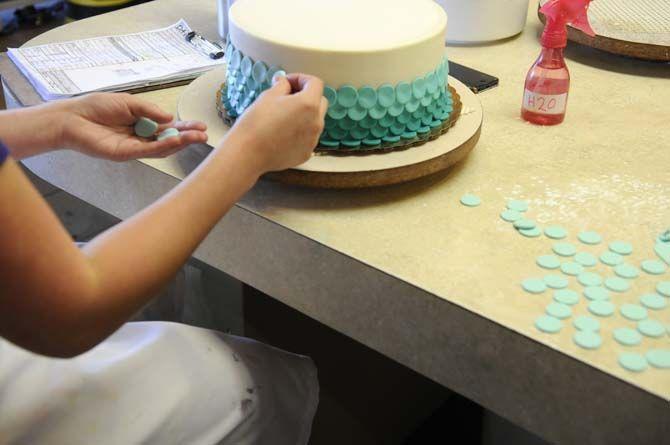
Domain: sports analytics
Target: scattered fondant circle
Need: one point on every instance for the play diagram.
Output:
(385, 95)
(145, 127)
(511, 215)
(621, 247)
(586, 323)
(559, 310)
(556, 281)
(548, 324)
(589, 279)
(633, 312)
(659, 358)
(586, 259)
(564, 249)
(548, 261)
(331, 95)
(632, 362)
(653, 267)
(627, 271)
(663, 288)
(653, 301)
(524, 223)
(518, 205)
(570, 268)
(367, 97)
(594, 293)
(470, 200)
(611, 259)
(627, 336)
(589, 237)
(617, 284)
(531, 233)
(167, 133)
(555, 232)
(587, 339)
(566, 296)
(650, 328)
(347, 96)
(534, 285)
(601, 308)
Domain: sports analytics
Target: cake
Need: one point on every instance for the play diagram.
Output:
(383, 63)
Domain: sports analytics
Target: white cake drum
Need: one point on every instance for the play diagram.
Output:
(198, 102)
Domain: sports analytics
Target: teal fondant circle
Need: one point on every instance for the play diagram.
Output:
(385, 95)
(337, 111)
(235, 60)
(367, 97)
(368, 122)
(397, 129)
(396, 109)
(245, 66)
(331, 95)
(346, 123)
(347, 96)
(412, 105)
(357, 113)
(403, 92)
(419, 88)
(359, 133)
(404, 117)
(258, 72)
(386, 121)
(337, 133)
(351, 143)
(391, 139)
(409, 135)
(379, 131)
(377, 112)
(372, 142)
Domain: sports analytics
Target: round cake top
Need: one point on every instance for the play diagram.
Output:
(340, 25)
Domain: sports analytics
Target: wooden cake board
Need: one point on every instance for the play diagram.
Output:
(633, 28)
(198, 102)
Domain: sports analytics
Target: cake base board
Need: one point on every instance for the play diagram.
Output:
(197, 102)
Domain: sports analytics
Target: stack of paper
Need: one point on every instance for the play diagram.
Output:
(113, 63)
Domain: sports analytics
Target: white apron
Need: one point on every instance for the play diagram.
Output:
(160, 383)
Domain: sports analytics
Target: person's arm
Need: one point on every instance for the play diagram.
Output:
(60, 301)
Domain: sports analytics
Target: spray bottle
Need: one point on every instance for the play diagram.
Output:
(546, 91)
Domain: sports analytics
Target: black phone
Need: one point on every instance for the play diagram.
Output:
(475, 80)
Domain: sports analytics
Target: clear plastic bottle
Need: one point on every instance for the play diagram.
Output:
(545, 95)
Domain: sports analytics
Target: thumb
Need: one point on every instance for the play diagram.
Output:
(280, 86)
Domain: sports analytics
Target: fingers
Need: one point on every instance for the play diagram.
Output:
(168, 146)
(281, 87)
(142, 108)
(306, 85)
(184, 126)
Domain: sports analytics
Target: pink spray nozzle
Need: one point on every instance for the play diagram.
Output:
(560, 13)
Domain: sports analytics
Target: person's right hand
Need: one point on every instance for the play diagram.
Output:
(282, 128)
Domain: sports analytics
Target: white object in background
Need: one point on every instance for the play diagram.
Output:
(473, 21)
(223, 6)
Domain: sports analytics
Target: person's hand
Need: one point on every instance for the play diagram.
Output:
(282, 128)
(101, 125)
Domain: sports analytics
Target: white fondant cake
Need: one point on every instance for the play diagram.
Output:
(354, 42)
(383, 64)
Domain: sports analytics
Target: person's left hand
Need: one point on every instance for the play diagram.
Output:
(101, 125)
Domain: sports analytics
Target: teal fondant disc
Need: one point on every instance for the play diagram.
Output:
(245, 66)
(357, 113)
(396, 109)
(404, 118)
(258, 72)
(359, 133)
(337, 133)
(346, 123)
(367, 97)
(372, 142)
(347, 96)
(379, 132)
(419, 88)
(412, 105)
(391, 139)
(351, 144)
(403, 92)
(397, 129)
(337, 111)
(386, 121)
(330, 95)
(367, 122)
(409, 135)
(377, 112)
(385, 95)
(413, 125)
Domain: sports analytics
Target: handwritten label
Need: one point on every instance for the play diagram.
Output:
(545, 103)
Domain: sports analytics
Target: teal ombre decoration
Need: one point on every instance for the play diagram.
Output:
(364, 118)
